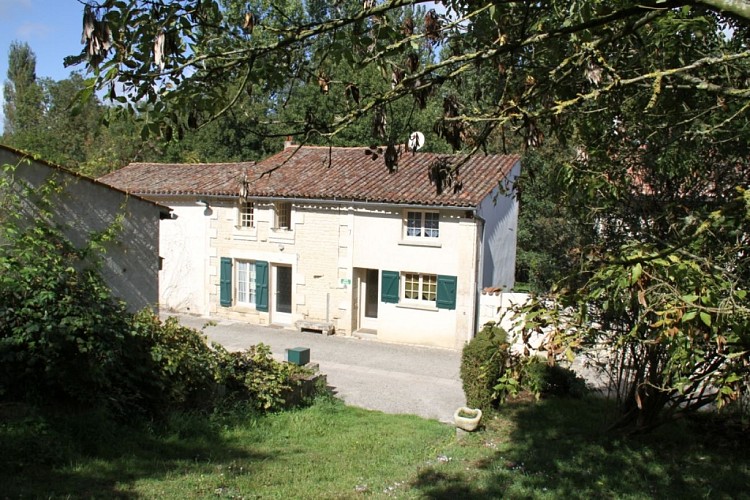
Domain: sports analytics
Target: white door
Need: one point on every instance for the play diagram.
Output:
(369, 299)
(281, 294)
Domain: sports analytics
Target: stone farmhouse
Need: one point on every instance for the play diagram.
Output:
(329, 240)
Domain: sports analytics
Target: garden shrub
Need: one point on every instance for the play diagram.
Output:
(482, 364)
(61, 331)
(254, 375)
(64, 339)
(183, 366)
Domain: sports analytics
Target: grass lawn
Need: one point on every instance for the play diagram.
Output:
(553, 449)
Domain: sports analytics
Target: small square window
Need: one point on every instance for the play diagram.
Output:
(247, 214)
(422, 224)
(283, 215)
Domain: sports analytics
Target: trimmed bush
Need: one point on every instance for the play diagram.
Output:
(482, 364)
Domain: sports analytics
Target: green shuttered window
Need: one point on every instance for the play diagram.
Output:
(446, 292)
(261, 286)
(445, 298)
(389, 290)
(225, 282)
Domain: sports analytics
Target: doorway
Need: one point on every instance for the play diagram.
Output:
(282, 294)
(369, 299)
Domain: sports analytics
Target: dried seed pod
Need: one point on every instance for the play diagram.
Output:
(352, 92)
(159, 59)
(248, 24)
(391, 157)
(432, 27)
(379, 123)
(396, 76)
(412, 62)
(323, 82)
(407, 28)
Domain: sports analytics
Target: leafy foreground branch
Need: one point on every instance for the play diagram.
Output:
(671, 324)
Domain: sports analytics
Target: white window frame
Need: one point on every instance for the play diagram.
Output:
(245, 275)
(245, 220)
(416, 225)
(426, 288)
(283, 209)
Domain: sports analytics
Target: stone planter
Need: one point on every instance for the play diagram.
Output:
(467, 418)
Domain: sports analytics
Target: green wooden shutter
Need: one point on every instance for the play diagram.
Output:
(225, 282)
(389, 288)
(261, 286)
(446, 292)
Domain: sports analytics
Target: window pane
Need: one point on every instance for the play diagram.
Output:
(429, 287)
(431, 225)
(283, 215)
(246, 282)
(251, 282)
(411, 286)
(414, 224)
(246, 214)
(242, 281)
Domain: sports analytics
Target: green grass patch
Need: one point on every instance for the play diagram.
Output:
(556, 448)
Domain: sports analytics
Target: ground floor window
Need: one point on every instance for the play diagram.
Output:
(420, 287)
(435, 290)
(246, 283)
(243, 282)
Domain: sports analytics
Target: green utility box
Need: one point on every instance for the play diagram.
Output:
(298, 355)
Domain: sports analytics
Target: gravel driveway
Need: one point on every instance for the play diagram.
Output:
(391, 378)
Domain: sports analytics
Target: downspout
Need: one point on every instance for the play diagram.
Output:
(479, 268)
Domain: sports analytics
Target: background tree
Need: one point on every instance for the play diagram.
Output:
(23, 106)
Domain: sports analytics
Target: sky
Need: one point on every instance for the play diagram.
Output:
(52, 28)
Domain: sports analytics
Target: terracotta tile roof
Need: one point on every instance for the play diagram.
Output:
(23, 156)
(322, 173)
(217, 179)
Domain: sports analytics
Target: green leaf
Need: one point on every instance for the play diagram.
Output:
(706, 318)
(635, 273)
(689, 316)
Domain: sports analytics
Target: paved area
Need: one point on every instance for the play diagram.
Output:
(391, 378)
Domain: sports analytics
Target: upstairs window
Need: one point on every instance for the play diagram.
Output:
(283, 215)
(247, 214)
(422, 224)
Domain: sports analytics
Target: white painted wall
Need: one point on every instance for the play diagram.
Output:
(184, 247)
(500, 212)
(379, 243)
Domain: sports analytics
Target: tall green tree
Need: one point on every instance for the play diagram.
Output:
(23, 106)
